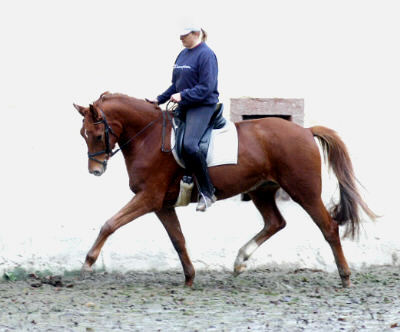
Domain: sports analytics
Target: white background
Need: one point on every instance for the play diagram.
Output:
(342, 57)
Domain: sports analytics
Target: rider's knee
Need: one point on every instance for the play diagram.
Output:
(190, 150)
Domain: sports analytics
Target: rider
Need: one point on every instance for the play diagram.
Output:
(194, 88)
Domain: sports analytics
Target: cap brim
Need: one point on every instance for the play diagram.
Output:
(187, 30)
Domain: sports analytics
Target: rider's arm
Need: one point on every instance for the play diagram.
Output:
(162, 98)
(166, 95)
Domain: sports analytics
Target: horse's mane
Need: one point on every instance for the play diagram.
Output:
(123, 98)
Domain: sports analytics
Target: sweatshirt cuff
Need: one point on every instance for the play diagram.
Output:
(183, 94)
(160, 100)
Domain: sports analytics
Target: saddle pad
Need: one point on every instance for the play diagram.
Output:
(223, 147)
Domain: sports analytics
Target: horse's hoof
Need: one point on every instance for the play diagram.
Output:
(86, 271)
(189, 283)
(238, 269)
(346, 282)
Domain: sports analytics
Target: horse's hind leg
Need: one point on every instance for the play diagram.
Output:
(330, 230)
(264, 200)
(170, 221)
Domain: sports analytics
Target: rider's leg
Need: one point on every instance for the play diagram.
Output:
(197, 120)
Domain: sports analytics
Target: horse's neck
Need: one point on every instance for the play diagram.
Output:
(132, 117)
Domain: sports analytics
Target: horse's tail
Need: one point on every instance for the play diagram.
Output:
(346, 211)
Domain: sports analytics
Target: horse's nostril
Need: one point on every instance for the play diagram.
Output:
(97, 173)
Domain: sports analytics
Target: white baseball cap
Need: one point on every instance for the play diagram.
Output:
(188, 29)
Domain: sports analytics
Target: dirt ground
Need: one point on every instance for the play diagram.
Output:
(267, 299)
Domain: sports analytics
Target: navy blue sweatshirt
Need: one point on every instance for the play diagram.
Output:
(195, 76)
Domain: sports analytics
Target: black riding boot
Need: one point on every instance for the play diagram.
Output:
(196, 162)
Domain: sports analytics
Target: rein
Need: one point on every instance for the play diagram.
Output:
(107, 130)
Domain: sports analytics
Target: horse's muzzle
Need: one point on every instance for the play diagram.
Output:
(98, 169)
(96, 172)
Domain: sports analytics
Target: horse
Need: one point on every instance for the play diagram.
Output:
(273, 153)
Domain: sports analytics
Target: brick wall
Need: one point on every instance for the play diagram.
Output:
(291, 109)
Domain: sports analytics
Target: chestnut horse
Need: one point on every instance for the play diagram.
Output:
(273, 154)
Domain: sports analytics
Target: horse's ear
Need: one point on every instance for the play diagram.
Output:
(80, 109)
(95, 113)
(103, 94)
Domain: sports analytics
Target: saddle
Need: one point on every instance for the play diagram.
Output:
(217, 121)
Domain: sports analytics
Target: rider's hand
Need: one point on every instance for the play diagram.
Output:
(152, 101)
(176, 97)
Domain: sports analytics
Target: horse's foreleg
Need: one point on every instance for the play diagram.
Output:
(138, 206)
(171, 223)
(264, 200)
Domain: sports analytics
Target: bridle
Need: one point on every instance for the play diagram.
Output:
(108, 130)
(108, 151)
